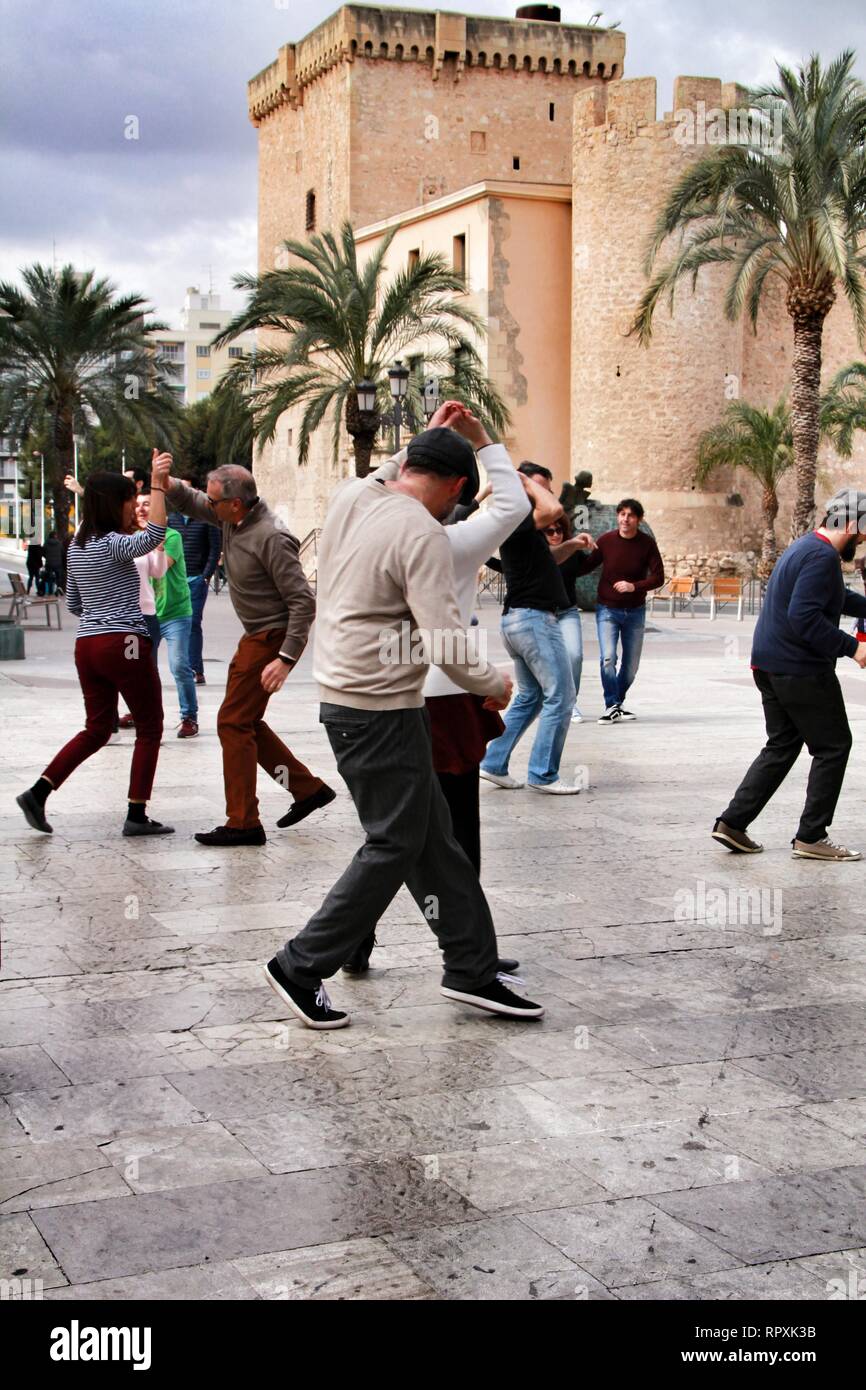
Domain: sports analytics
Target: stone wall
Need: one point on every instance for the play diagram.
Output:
(637, 412)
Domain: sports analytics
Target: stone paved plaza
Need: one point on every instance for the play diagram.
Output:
(688, 1121)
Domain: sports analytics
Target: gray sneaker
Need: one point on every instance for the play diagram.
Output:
(826, 850)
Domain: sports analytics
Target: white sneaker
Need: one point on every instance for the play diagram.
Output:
(509, 784)
(558, 788)
(576, 716)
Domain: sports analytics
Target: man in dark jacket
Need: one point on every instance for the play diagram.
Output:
(795, 648)
(201, 550)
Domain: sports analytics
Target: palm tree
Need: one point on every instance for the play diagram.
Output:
(790, 209)
(760, 441)
(74, 355)
(843, 407)
(344, 325)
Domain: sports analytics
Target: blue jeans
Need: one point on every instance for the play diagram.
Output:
(176, 634)
(572, 634)
(545, 688)
(154, 631)
(625, 625)
(198, 588)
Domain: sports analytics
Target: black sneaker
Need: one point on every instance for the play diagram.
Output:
(508, 966)
(34, 812)
(146, 827)
(359, 961)
(311, 1006)
(299, 810)
(626, 713)
(226, 835)
(737, 840)
(611, 716)
(496, 999)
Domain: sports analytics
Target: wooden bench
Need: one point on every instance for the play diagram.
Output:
(726, 591)
(22, 602)
(678, 591)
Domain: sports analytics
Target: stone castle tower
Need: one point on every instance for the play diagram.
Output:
(382, 109)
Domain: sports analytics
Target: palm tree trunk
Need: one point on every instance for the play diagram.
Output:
(808, 304)
(363, 427)
(769, 549)
(62, 462)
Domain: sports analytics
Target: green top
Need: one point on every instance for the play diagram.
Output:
(172, 590)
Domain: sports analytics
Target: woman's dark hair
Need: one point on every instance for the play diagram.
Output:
(633, 506)
(102, 505)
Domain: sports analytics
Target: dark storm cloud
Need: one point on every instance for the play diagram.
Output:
(157, 212)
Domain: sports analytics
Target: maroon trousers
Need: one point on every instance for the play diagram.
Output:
(118, 663)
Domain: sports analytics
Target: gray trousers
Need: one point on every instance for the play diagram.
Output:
(385, 759)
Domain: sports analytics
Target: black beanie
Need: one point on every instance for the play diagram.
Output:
(444, 451)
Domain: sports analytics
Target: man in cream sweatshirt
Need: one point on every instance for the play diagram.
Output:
(385, 570)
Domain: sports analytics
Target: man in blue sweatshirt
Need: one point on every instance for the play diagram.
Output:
(795, 648)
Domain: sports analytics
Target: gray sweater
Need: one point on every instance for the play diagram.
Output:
(268, 587)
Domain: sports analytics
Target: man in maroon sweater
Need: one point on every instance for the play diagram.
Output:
(631, 566)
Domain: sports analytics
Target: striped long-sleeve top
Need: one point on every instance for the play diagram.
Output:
(102, 582)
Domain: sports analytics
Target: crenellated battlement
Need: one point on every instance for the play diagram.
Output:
(629, 106)
(369, 33)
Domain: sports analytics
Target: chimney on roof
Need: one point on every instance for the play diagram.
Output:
(552, 13)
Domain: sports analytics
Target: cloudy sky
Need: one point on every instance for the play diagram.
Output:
(177, 206)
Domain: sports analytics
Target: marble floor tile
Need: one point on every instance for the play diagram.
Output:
(158, 1159)
(777, 1218)
(220, 1281)
(517, 1177)
(101, 1108)
(253, 1216)
(657, 1158)
(849, 1116)
(55, 1174)
(352, 1269)
(28, 1068)
(785, 1281)
(628, 1241)
(498, 1258)
(827, 1073)
(787, 1140)
(25, 1255)
(116, 1056)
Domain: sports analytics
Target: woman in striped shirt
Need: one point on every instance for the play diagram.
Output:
(113, 650)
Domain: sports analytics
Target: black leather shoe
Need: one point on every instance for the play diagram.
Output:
(508, 967)
(359, 962)
(34, 812)
(226, 835)
(299, 810)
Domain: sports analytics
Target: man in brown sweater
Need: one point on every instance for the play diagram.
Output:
(271, 596)
(386, 606)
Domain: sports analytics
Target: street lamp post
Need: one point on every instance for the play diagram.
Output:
(41, 458)
(16, 499)
(76, 441)
(398, 380)
(431, 397)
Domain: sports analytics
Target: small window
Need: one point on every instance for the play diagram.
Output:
(203, 351)
(203, 374)
(551, 111)
(236, 352)
(310, 221)
(515, 161)
(458, 255)
(413, 258)
(209, 325)
(290, 434)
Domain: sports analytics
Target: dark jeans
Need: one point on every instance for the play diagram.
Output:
(798, 710)
(384, 756)
(198, 587)
(460, 790)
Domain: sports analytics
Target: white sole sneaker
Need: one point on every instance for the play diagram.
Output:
(319, 1026)
(553, 788)
(478, 1001)
(508, 784)
(850, 856)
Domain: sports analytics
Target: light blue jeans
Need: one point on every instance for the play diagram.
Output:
(176, 635)
(615, 625)
(545, 690)
(572, 633)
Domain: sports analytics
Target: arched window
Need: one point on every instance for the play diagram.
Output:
(601, 69)
(368, 49)
(512, 61)
(413, 52)
(497, 60)
(572, 68)
(398, 51)
(586, 69)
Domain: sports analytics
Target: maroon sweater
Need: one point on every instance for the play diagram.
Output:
(637, 560)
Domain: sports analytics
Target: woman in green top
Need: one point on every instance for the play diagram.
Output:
(174, 611)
